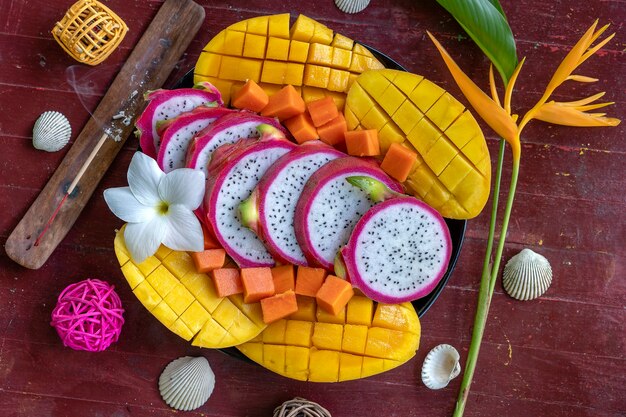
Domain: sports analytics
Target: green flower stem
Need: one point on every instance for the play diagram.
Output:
(488, 278)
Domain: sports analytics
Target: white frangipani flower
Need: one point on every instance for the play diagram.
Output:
(158, 208)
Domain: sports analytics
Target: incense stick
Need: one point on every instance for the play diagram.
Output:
(73, 185)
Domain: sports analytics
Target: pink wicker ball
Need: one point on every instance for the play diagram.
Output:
(88, 315)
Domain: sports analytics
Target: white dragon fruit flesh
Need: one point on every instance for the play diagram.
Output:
(399, 250)
(271, 208)
(232, 177)
(329, 207)
(168, 104)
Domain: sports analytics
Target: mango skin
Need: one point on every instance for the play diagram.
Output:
(307, 55)
(375, 338)
(185, 301)
(452, 172)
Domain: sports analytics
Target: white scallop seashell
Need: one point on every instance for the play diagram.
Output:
(187, 383)
(52, 131)
(527, 275)
(441, 366)
(352, 6)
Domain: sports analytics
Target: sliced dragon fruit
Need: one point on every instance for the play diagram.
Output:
(167, 104)
(329, 207)
(271, 207)
(232, 178)
(176, 138)
(399, 250)
(228, 129)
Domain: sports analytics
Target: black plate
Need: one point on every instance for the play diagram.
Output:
(457, 227)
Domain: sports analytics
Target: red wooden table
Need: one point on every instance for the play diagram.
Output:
(560, 355)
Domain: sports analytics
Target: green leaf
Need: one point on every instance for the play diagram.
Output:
(485, 22)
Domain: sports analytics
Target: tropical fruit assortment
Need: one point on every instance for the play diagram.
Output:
(312, 249)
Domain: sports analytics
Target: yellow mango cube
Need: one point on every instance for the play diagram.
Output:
(341, 58)
(240, 69)
(252, 311)
(354, 339)
(225, 313)
(179, 299)
(179, 263)
(201, 286)
(323, 365)
(375, 118)
(148, 265)
(240, 26)
(217, 43)
(327, 336)
(279, 25)
(233, 43)
(147, 295)
(181, 329)
(278, 49)
(440, 155)
(322, 34)
(274, 357)
(303, 29)
(294, 74)
(164, 313)
(258, 25)
(426, 94)
(445, 110)
(407, 116)
(211, 335)
(320, 54)
(464, 129)
(316, 76)
(454, 173)
(252, 350)
(297, 362)
(350, 366)
(162, 252)
(338, 80)
(389, 134)
(341, 41)
(121, 251)
(360, 310)
(423, 136)
(396, 317)
(242, 328)
(474, 151)
(298, 333)
(363, 102)
(132, 274)
(306, 309)
(372, 366)
(298, 51)
(195, 316)
(326, 317)
(162, 280)
(407, 82)
(391, 344)
(275, 333)
(274, 72)
(391, 99)
(254, 46)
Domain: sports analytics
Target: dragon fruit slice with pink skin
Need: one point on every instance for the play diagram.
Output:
(226, 130)
(168, 104)
(271, 208)
(176, 138)
(399, 250)
(232, 178)
(329, 207)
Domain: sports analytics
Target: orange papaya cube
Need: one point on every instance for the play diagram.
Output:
(257, 284)
(250, 97)
(209, 259)
(333, 132)
(334, 294)
(398, 161)
(362, 142)
(278, 306)
(309, 280)
(285, 104)
(301, 127)
(322, 111)
(284, 278)
(227, 281)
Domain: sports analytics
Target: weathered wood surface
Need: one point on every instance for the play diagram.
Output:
(562, 355)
